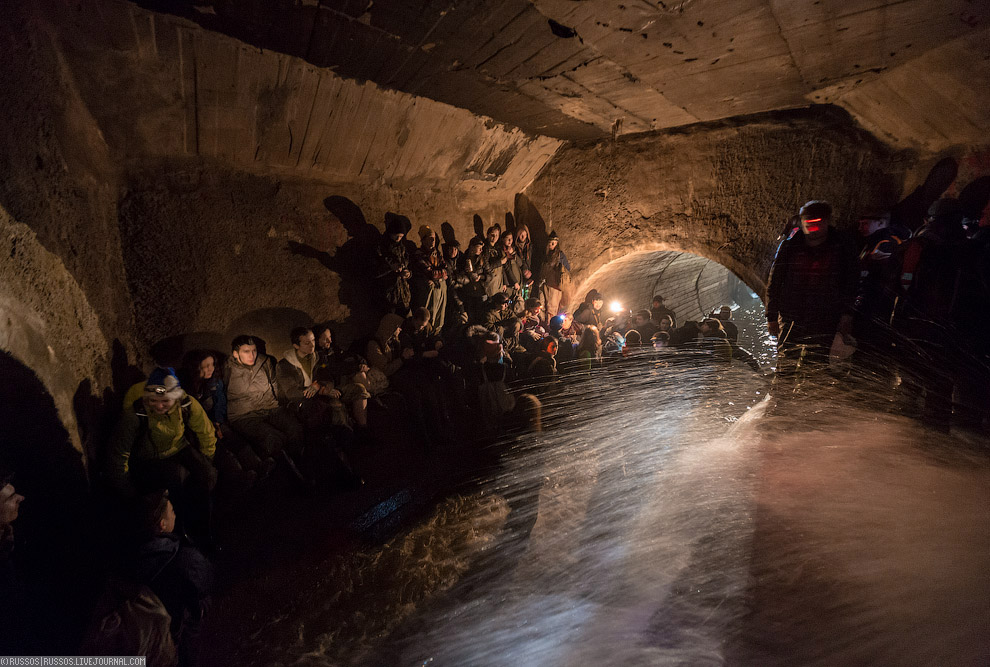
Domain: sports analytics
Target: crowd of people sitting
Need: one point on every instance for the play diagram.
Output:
(458, 331)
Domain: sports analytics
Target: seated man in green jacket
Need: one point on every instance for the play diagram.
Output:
(165, 440)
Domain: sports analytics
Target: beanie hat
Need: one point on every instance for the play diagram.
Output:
(394, 224)
(556, 323)
(425, 231)
(552, 236)
(164, 382)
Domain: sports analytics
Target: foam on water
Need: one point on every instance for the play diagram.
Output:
(669, 515)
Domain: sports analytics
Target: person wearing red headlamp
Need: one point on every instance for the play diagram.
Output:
(811, 289)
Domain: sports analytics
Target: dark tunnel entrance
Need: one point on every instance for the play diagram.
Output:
(692, 286)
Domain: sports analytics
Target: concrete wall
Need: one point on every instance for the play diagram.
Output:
(158, 181)
(721, 191)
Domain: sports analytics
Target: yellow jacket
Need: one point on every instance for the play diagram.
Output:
(164, 436)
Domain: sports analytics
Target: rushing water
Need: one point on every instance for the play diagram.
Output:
(670, 514)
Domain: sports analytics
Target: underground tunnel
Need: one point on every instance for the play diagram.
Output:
(174, 174)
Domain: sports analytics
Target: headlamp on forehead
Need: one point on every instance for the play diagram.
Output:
(159, 391)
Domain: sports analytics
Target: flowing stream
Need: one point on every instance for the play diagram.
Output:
(671, 514)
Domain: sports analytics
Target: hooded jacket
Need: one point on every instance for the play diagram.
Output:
(165, 435)
(250, 388)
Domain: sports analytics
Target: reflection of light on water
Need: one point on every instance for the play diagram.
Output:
(663, 518)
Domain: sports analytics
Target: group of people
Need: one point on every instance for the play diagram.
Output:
(448, 343)
(913, 303)
(458, 328)
(459, 287)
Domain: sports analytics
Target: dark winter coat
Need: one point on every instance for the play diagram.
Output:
(392, 260)
(813, 286)
(181, 576)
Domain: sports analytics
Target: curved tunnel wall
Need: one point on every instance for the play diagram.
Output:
(722, 191)
(192, 187)
(692, 286)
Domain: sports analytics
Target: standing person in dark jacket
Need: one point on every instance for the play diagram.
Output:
(392, 272)
(552, 276)
(493, 259)
(457, 312)
(524, 251)
(811, 290)
(512, 274)
(430, 278)
(929, 270)
(659, 311)
(470, 277)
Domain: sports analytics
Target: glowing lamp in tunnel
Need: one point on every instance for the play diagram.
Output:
(615, 306)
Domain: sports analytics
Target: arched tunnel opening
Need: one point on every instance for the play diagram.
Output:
(175, 176)
(692, 286)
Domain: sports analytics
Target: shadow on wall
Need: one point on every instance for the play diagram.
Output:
(355, 263)
(351, 262)
(95, 414)
(54, 558)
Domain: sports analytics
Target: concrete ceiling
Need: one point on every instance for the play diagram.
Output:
(585, 69)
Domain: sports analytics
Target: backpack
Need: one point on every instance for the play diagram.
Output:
(185, 408)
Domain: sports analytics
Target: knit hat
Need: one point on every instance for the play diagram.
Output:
(394, 224)
(552, 236)
(164, 382)
(556, 323)
(425, 231)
